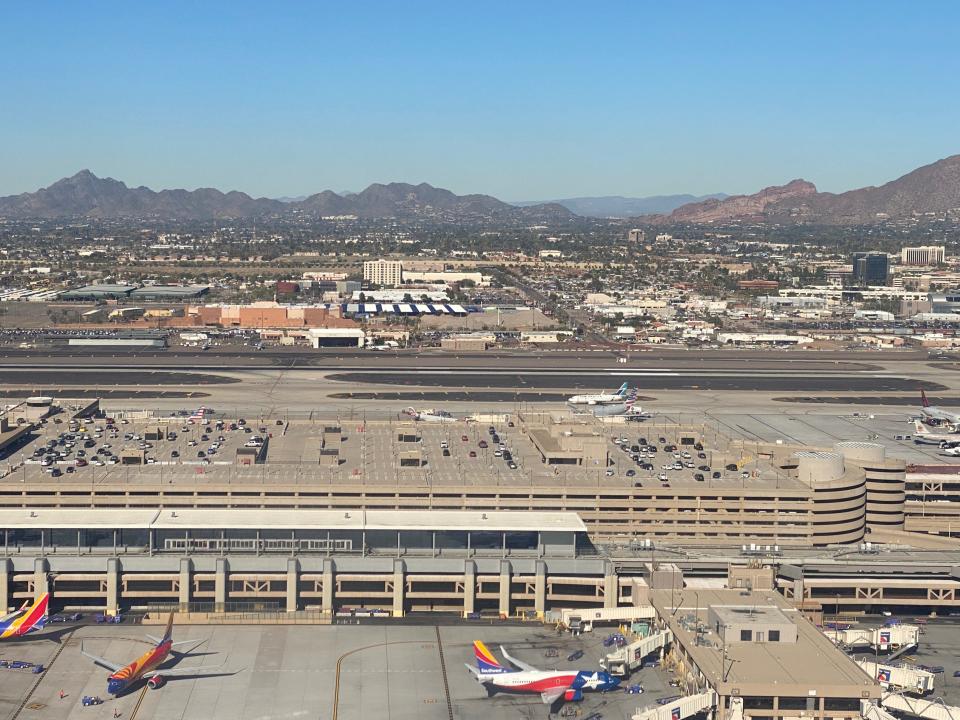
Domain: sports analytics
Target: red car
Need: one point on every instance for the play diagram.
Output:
(464, 438)
(473, 453)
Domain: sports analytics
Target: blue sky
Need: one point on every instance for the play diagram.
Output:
(523, 100)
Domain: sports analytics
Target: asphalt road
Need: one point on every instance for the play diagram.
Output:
(648, 381)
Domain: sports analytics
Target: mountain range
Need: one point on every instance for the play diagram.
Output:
(617, 206)
(933, 188)
(86, 195)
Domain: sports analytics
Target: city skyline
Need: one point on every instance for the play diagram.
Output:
(540, 103)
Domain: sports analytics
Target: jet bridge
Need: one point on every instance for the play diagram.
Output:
(624, 660)
(679, 709)
(899, 677)
(934, 709)
(895, 637)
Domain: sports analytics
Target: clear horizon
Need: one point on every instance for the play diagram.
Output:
(534, 102)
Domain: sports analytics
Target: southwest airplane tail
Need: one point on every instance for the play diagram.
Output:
(923, 399)
(487, 663)
(27, 619)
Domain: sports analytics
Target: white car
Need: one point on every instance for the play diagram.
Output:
(662, 476)
(609, 472)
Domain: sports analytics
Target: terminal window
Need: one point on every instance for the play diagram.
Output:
(773, 636)
(746, 635)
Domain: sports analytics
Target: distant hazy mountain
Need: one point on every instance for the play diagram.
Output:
(618, 206)
(933, 188)
(86, 195)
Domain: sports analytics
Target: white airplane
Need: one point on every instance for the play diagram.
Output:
(932, 412)
(951, 451)
(627, 407)
(441, 416)
(601, 399)
(924, 436)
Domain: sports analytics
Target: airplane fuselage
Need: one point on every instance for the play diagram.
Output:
(536, 682)
(125, 677)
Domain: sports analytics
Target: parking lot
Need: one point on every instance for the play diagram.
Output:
(348, 672)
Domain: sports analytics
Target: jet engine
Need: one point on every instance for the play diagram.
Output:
(157, 681)
(573, 694)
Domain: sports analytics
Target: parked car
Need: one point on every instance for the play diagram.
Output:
(575, 655)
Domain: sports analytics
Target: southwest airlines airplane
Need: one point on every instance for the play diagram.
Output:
(26, 619)
(147, 666)
(551, 685)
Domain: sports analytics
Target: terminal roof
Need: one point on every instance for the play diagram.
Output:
(347, 519)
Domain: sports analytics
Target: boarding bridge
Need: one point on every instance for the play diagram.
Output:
(869, 711)
(584, 618)
(899, 677)
(931, 709)
(625, 660)
(886, 638)
(679, 709)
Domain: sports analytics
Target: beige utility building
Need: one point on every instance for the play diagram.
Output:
(760, 657)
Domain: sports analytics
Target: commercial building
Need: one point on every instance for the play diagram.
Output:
(870, 269)
(336, 337)
(923, 256)
(382, 272)
(637, 236)
(169, 293)
(98, 292)
(946, 302)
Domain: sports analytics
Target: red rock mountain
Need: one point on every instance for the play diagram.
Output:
(742, 206)
(930, 190)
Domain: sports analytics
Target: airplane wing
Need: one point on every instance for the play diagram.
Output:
(196, 671)
(551, 696)
(112, 667)
(517, 663)
(157, 641)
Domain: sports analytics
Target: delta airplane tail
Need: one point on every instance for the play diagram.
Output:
(923, 399)
(487, 663)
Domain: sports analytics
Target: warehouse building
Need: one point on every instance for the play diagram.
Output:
(169, 293)
(99, 292)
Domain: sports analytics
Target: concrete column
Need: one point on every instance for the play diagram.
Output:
(611, 586)
(220, 584)
(399, 585)
(506, 572)
(293, 584)
(113, 586)
(328, 572)
(41, 577)
(469, 587)
(6, 582)
(185, 583)
(540, 589)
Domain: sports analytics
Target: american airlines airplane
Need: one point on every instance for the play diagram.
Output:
(924, 436)
(550, 685)
(627, 407)
(441, 416)
(600, 399)
(934, 413)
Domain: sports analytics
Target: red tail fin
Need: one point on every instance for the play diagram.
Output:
(923, 399)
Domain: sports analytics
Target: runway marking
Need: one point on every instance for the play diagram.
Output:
(136, 708)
